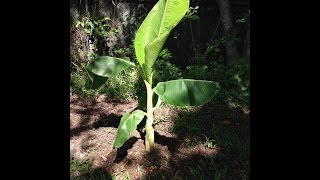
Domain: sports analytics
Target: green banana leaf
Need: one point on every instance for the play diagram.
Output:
(107, 66)
(94, 81)
(154, 30)
(128, 124)
(186, 92)
(103, 67)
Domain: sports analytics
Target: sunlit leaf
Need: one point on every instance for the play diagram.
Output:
(107, 66)
(154, 30)
(186, 92)
(103, 67)
(128, 124)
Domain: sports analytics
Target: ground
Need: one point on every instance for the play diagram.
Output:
(206, 142)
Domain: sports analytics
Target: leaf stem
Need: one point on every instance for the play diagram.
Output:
(149, 139)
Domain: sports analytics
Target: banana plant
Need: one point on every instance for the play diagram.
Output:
(148, 43)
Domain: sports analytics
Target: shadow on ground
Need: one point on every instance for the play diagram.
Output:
(96, 174)
(103, 120)
(222, 126)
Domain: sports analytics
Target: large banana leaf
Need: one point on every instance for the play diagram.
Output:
(103, 67)
(107, 66)
(128, 124)
(154, 30)
(186, 92)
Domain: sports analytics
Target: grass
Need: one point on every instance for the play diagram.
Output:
(80, 170)
(77, 81)
(122, 88)
(191, 143)
(92, 176)
(126, 176)
(209, 142)
(79, 166)
(138, 170)
(233, 140)
(182, 125)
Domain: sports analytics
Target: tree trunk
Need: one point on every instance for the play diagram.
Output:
(231, 49)
(247, 45)
(86, 4)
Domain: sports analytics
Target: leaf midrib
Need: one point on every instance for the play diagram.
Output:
(132, 114)
(165, 7)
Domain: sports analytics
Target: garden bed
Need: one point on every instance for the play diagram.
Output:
(207, 142)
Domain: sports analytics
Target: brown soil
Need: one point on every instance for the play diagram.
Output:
(93, 126)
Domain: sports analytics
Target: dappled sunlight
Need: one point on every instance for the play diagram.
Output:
(169, 87)
(187, 141)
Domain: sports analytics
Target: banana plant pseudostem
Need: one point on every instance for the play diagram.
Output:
(149, 40)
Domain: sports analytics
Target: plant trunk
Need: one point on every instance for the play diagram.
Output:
(149, 139)
(86, 4)
(227, 25)
(247, 45)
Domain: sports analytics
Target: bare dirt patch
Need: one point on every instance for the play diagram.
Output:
(93, 127)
